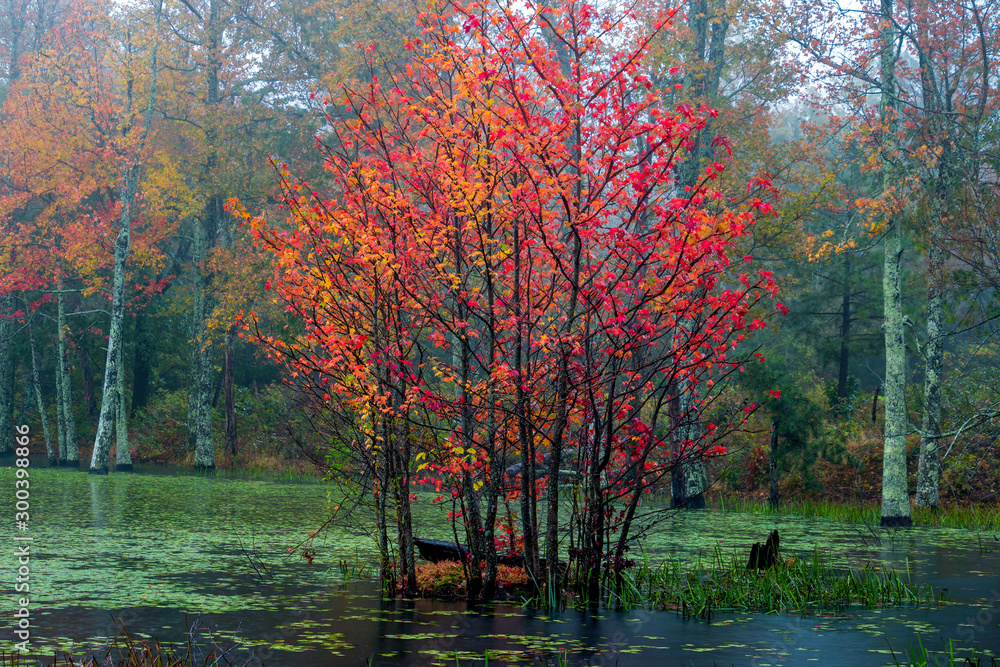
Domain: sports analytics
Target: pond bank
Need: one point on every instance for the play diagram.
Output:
(151, 549)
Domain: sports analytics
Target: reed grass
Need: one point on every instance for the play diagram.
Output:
(983, 517)
(919, 656)
(724, 583)
(123, 651)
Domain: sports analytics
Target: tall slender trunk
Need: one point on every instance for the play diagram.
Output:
(929, 466)
(7, 328)
(72, 457)
(525, 441)
(206, 231)
(52, 453)
(473, 518)
(229, 371)
(938, 189)
(407, 556)
(380, 477)
(111, 396)
(200, 414)
(772, 466)
(845, 335)
(123, 457)
(60, 424)
(496, 455)
(895, 495)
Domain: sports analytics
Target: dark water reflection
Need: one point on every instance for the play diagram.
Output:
(160, 552)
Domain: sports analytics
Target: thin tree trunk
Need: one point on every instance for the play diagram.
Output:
(72, 458)
(206, 231)
(381, 482)
(895, 495)
(230, 408)
(929, 466)
(111, 398)
(52, 454)
(7, 328)
(772, 467)
(201, 411)
(525, 442)
(694, 470)
(845, 335)
(60, 425)
(123, 458)
(928, 469)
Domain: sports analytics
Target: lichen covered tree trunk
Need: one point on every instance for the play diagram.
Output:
(200, 413)
(71, 456)
(110, 399)
(123, 458)
(928, 470)
(895, 495)
(112, 396)
(51, 452)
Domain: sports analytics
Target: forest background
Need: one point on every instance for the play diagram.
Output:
(147, 149)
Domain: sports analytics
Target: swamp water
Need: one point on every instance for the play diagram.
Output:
(161, 551)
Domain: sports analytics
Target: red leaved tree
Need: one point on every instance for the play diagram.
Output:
(507, 270)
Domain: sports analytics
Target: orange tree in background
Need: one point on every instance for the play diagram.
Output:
(508, 271)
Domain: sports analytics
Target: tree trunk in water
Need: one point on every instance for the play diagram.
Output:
(123, 458)
(928, 470)
(524, 440)
(895, 495)
(51, 452)
(772, 466)
(695, 481)
(407, 555)
(687, 478)
(380, 476)
(201, 411)
(206, 231)
(7, 328)
(72, 458)
(929, 466)
(60, 424)
(230, 375)
(110, 399)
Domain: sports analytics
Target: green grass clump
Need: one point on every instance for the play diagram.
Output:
(793, 585)
(984, 517)
(919, 656)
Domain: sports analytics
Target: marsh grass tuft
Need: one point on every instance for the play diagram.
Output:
(985, 517)
(724, 583)
(357, 569)
(919, 656)
(123, 651)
